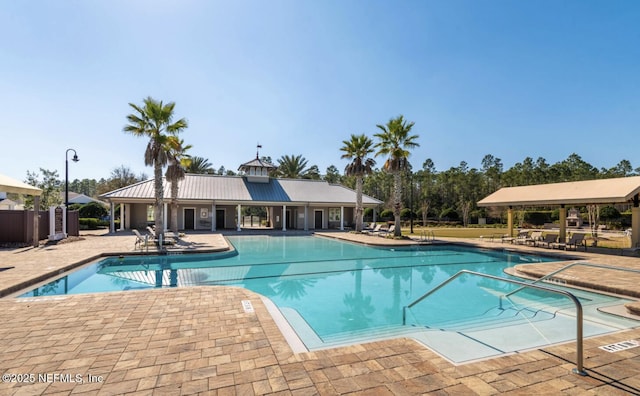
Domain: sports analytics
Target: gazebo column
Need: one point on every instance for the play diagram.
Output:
(562, 238)
(121, 217)
(284, 217)
(214, 218)
(342, 218)
(375, 215)
(635, 221)
(239, 217)
(164, 216)
(510, 221)
(306, 217)
(112, 221)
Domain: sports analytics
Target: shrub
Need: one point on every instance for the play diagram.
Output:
(88, 223)
(367, 214)
(449, 214)
(406, 214)
(609, 213)
(93, 210)
(386, 214)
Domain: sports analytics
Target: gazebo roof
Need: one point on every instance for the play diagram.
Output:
(600, 191)
(256, 163)
(11, 185)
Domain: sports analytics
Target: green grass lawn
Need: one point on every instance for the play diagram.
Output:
(456, 232)
(461, 232)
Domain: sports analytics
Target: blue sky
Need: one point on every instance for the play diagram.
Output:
(507, 78)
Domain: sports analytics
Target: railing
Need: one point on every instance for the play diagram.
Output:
(566, 267)
(427, 235)
(579, 316)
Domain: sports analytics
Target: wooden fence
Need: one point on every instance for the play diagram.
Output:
(17, 225)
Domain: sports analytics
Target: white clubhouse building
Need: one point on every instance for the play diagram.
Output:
(213, 202)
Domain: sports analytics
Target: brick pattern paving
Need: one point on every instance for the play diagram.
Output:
(199, 340)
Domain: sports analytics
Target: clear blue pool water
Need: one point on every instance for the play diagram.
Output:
(334, 292)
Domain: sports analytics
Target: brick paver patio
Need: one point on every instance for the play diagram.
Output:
(200, 340)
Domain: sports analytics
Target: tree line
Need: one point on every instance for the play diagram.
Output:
(404, 186)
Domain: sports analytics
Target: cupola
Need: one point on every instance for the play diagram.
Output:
(257, 170)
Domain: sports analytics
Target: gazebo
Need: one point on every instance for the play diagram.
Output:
(10, 185)
(602, 191)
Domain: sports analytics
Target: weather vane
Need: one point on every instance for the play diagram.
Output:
(258, 147)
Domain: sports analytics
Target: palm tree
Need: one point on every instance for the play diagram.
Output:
(154, 120)
(292, 167)
(358, 148)
(395, 143)
(178, 161)
(200, 166)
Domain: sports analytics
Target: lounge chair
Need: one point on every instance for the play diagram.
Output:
(369, 227)
(548, 240)
(575, 240)
(140, 240)
(522, 238)
(507, 238)
(633, 250)
(385, 232)
(535, 237)
(375, 230)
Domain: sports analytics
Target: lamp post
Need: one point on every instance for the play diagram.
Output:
(66, 184)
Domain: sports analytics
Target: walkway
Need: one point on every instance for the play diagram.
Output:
(200, 340)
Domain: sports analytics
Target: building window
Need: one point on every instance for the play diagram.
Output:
(150, 218)
(334, 214)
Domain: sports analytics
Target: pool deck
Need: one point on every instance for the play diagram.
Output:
(200, 340)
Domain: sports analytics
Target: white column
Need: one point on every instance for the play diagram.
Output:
(121, 216)
(112, 220)
(164, 217)
(239, 218)
(635, 226)
(284, 217)
(342, 218)
(375, 214)
(306, 217)
(213, 217)
(127, 216)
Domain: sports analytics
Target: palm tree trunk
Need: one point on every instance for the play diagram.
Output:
(174, 205)
(397, 202)
(158, 216)
(359, 211)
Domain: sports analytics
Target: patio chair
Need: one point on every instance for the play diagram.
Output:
(522, 238)
(548, 240)
(633, 250)
(534, 238)
(575, 240)
(140, 240)
(375, 230)
(385, 232)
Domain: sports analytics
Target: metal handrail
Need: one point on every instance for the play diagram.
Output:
(579, 317)
(424, 236)
(566, 267)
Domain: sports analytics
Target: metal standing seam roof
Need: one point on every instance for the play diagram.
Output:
(10, 185)
(618, 190)
(237, 189)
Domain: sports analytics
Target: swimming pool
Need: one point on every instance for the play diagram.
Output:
(334, 293)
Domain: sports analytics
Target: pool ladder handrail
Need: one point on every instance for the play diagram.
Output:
(566, 267)
(579, 315)
(427, 235)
